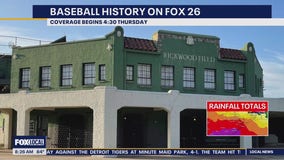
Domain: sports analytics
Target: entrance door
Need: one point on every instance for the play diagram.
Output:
(71, 131)
(141, 128)
(133, 130)
(192, 128)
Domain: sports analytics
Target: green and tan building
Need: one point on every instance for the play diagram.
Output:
(119, 91)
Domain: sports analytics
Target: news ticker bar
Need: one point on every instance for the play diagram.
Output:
(152, 11)
(125, 152)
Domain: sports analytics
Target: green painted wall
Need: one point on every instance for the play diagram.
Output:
(54, 55)
(254, 72)
(179, 47)
(118, 60)
(172, 50)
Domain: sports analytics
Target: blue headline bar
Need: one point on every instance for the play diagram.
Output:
(152, 11)
(177, 152)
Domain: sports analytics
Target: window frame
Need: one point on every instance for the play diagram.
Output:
(66, 78)
(243, 81)
(229, 80)
(22, 78)
(127, 76)
(144, 77)
(42, 79)
(92, 76)
(167, 78)
(102, 73)
(189, 80)
(208, 82)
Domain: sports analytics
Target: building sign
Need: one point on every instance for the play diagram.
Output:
(188, 57)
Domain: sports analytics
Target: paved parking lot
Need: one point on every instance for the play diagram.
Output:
(7, 155)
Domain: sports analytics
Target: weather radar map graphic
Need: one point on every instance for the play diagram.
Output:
(237, 118)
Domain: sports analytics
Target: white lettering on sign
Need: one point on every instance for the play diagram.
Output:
(188, 57)
(24, 142)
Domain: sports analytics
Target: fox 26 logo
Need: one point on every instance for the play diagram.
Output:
(29, 142)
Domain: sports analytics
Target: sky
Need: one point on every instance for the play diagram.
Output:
(267, 40)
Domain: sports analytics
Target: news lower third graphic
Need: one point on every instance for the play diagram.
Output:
(152, 11)
(36, 145)
(143, 15)
(29, 145)
(237, 118)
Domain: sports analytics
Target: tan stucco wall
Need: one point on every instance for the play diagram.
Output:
(105, 101)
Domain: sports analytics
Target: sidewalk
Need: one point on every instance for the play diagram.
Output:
(5, 151)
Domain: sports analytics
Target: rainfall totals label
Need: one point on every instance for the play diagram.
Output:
(237, 118)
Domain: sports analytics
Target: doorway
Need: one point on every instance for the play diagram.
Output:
(71, 131)
(141, 128)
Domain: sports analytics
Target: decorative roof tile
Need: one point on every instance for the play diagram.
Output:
(226, 53)
(140, 44)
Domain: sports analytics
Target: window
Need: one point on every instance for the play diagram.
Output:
(209, 79)
(188, 77)
(144, 74)
(229, 80)
(89, 76)
(129, 73)
(45, 76)
(102, 72)
(25, 78)
(66, 75)
(167, 76)
(242, 81)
